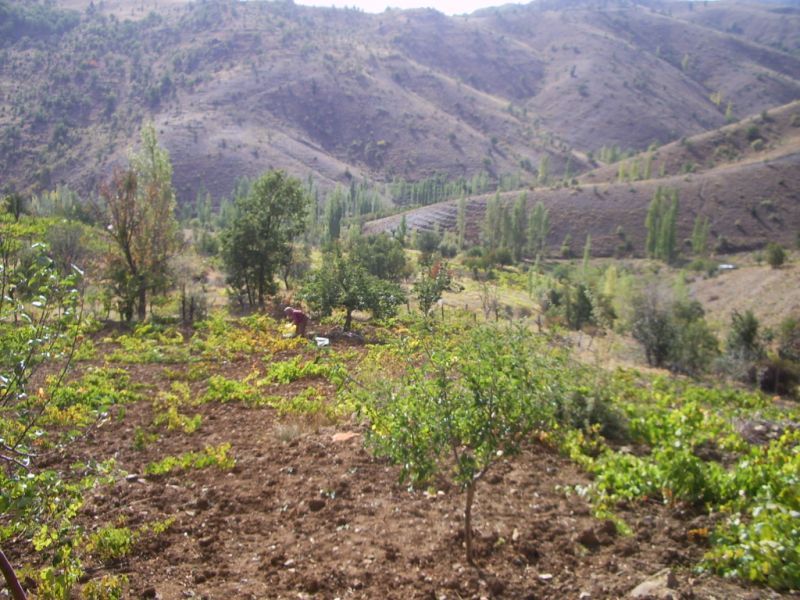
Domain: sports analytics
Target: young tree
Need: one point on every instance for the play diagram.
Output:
(700, 233)
(661, 223)
(460, 408)
(140, 207)
(430, 284)
(652, 326)
(538, 229)
(587, 254)
(744, 340)
(544, 169)
(492, 230)
(334, 212)
(461, 222)
(519, 227)
(258, 239)
(342, 282)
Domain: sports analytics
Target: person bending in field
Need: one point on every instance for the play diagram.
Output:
(299, 318)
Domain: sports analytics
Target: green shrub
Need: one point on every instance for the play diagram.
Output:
(776, 255)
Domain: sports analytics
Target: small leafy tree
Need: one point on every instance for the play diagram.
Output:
(653, 328)
(258, 239)
(430, 284)
(661, 222)
(744, 340)
(700, 232)
(538, 230)
(461, 407)
(381, 255)
(342, 282)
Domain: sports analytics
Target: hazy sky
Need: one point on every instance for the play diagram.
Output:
(448, 7)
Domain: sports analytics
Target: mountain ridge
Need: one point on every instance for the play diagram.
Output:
(237, 88)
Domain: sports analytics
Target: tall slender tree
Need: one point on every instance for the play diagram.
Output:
(140, 205)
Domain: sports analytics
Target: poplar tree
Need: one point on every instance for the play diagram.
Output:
(544, 169)
(700, 236)
(538, 229)
(461, 221)
(661, 224)
(492, 223)
(519, 227)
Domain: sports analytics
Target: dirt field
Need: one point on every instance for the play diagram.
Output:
(306, 512)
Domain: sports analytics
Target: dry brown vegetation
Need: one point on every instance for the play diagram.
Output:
(237, 88)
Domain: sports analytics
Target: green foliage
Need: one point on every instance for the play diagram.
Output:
(107, 587)
(381, 255)
(80, 403)
(33, 20)
(210, 456)
(149, 343)
(758, 494)
(140, 207)
(265, 221)
(661, 224)
(167, 405)
(287, 371)
(309, 402)
(776, 255)
(465, 399)
(430, 284)
(427, 241)
(538, 230)
(702, 226)
(674, 334)
(341, 282)
(221, 389)
(744, 340)
(789, 339)
(111, 543)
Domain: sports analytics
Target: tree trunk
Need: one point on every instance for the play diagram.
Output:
(142, 305)
(17, 593)
(348, 320)
(468, 521)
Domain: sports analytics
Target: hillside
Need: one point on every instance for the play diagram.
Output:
(237, 88)
(749, 192)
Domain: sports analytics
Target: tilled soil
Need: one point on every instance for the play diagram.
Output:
(309, 513)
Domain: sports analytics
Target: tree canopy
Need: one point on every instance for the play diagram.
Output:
(257, 240)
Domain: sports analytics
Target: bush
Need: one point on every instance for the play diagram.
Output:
(674, 335)
(744, 341)
(776, 255)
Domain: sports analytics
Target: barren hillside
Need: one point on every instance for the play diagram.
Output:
(237, 88)
(749, 199)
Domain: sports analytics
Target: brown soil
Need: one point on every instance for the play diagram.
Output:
(308, 512)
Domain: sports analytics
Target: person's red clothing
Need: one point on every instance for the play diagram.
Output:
(299, 318)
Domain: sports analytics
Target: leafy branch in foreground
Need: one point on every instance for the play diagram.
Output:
(465, 401)
(40, 313)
